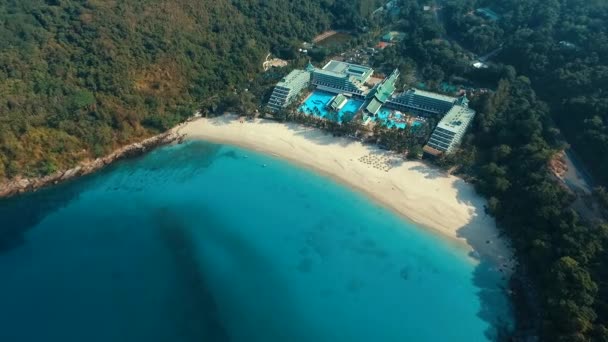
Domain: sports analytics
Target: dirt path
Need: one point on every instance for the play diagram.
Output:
(323, 35)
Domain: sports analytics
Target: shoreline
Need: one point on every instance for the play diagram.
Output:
(448, 206)
(441, 203)
(21, 185)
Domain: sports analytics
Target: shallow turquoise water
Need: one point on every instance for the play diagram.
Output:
(205, 242)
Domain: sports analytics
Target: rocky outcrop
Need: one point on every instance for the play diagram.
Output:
(558, 165)
(20, 185)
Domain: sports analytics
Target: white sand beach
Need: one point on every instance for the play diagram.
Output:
(421, 193)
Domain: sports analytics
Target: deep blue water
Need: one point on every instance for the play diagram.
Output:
(205, 242)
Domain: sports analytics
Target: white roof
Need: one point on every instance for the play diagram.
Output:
(433, 95)
(457, 118)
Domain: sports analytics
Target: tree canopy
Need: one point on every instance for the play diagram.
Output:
(549, 82)
(80, 78)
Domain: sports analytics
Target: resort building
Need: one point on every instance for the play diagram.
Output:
(338, 102)
(288, 88)
(378, 96)
(450, 130)
(341, 77)
(343, 89)
(422, 102)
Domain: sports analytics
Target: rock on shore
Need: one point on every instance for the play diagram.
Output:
(21, 185)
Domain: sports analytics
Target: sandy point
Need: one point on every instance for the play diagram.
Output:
(421, 193)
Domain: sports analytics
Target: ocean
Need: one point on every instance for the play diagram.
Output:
(209, 242)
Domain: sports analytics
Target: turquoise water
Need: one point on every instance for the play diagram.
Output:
(205, 242)
(383, 117)
(316, 104)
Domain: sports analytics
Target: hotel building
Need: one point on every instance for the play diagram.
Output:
(347, 80)
(340, 77)
(449, 132)
(288, 88)
(378, 96)
(422, 102)
(338, 102)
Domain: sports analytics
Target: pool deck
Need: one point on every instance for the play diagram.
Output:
(316, 104)
(387, 117)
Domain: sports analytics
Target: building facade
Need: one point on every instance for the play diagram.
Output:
(347, 80)
(338, 102)
(451, 129)
(378, 96)
(423, 103)
(340, 77)
(288, 89)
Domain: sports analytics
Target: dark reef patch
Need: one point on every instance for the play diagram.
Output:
(197, 317)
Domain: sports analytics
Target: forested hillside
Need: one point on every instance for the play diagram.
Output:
(79, 78)
(549, 80)
(562, 45)
(561, 254)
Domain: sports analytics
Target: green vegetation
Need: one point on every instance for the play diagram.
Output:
(80, 78)
(560, 287)
(562, 46)
(560, 254)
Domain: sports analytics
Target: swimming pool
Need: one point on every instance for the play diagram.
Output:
(397, 119)
(383, 117)
(316, 104)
